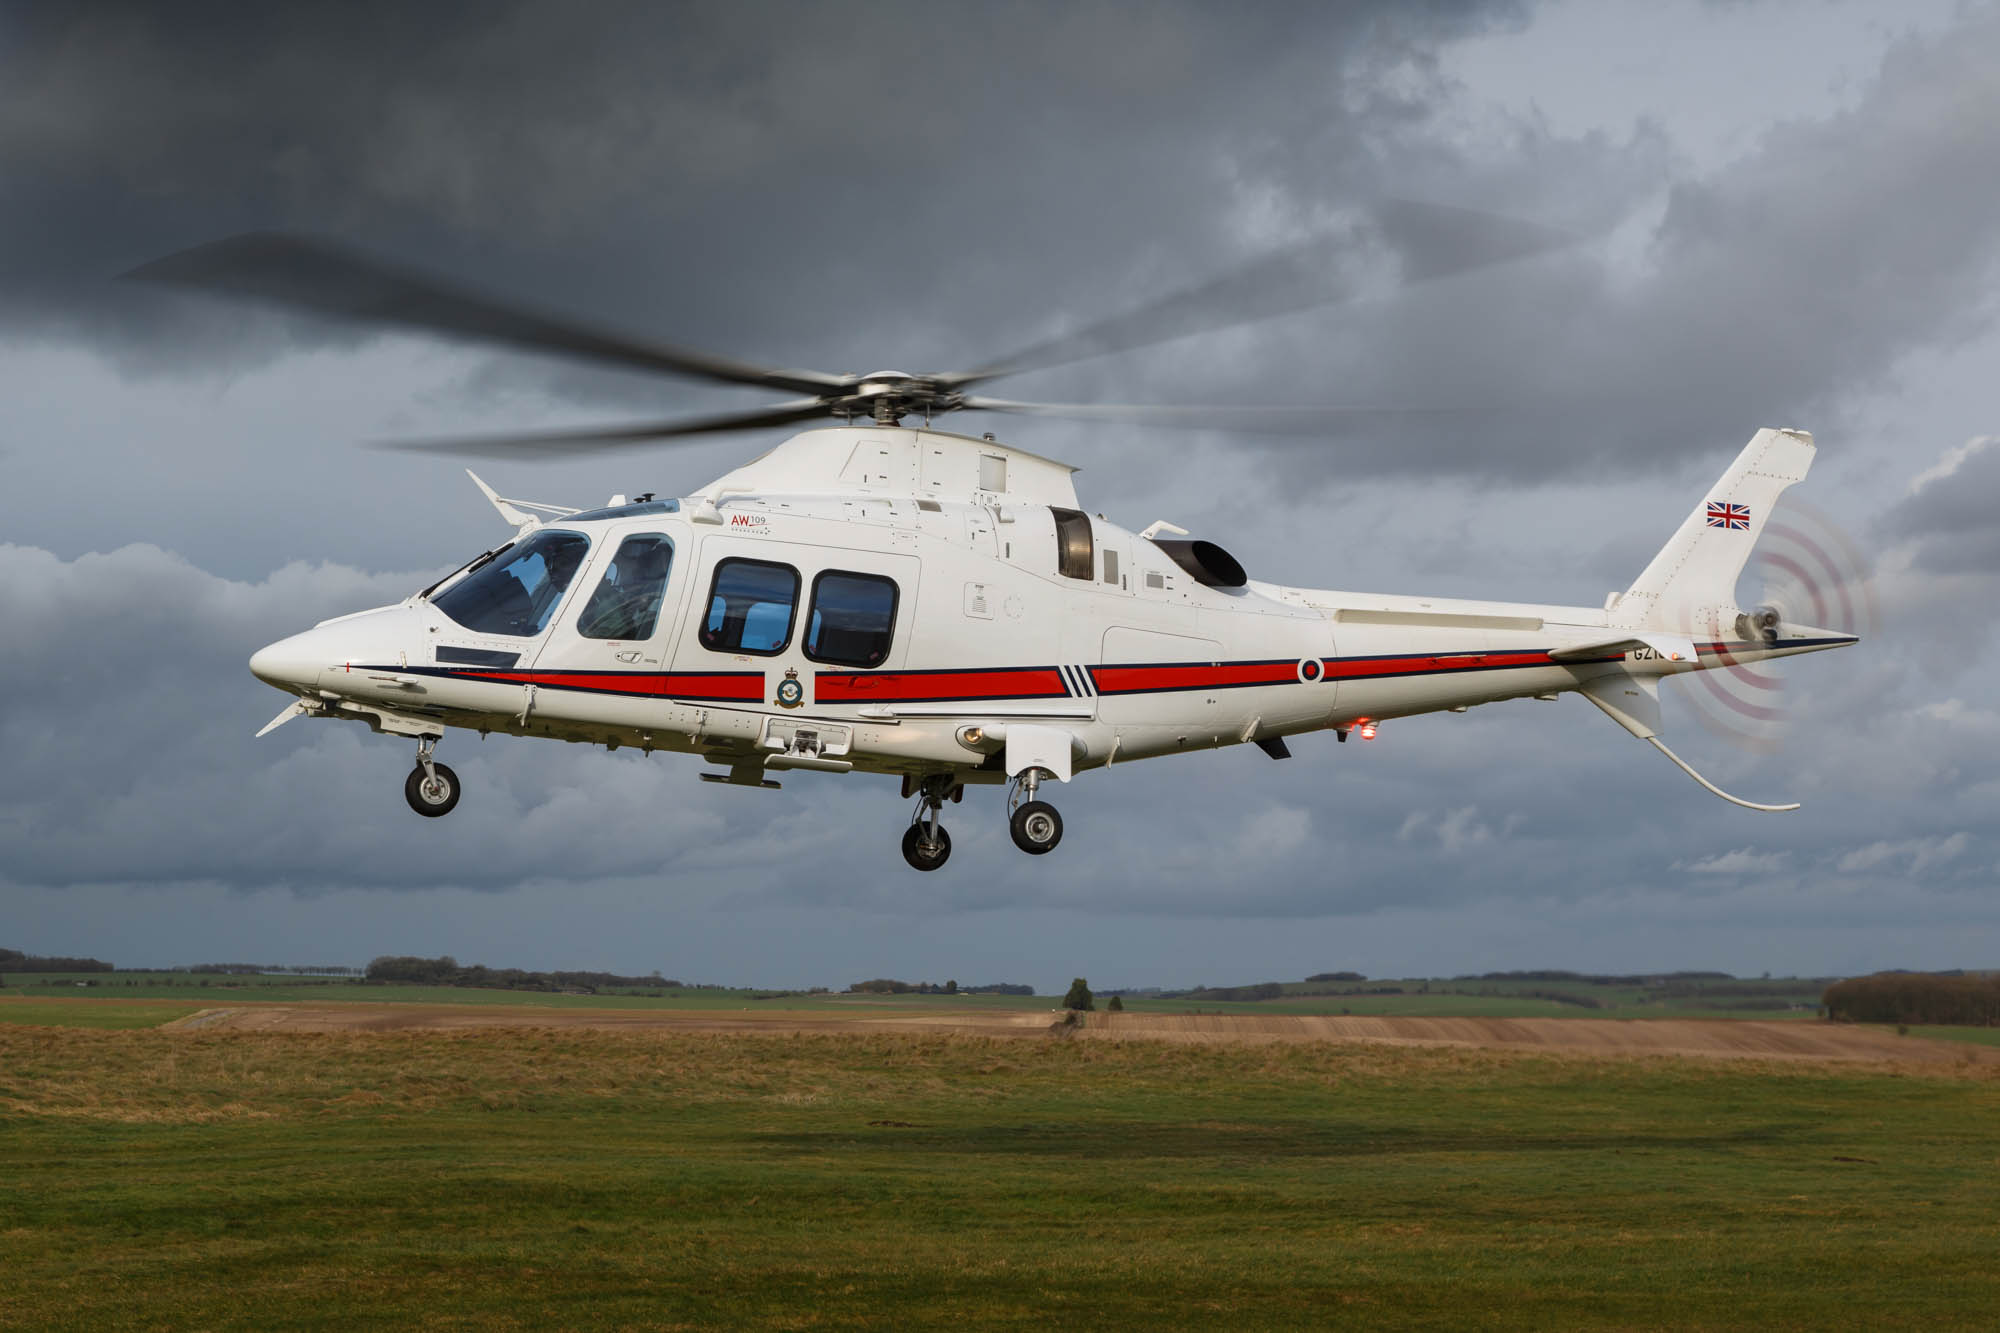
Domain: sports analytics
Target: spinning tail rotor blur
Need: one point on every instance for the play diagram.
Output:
(1807, 571)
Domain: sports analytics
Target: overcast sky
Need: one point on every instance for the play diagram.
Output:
(1787, 215)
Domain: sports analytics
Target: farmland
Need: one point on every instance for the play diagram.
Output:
(523, 1176)
(1494, 997)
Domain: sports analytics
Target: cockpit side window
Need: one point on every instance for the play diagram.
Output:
(516, 593)
(750, 607)
(626, 603)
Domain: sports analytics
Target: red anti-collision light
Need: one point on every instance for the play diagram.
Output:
(1367, 731)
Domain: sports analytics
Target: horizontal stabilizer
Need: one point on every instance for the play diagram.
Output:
(1672, 647)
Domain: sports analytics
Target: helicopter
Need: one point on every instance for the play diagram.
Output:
(875, 597)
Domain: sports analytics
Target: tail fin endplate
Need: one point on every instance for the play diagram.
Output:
(1690, 586)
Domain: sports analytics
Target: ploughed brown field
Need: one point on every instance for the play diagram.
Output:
(1726, 1038)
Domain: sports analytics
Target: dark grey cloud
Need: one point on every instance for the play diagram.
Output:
(1951, 517)
(1780, 289)
(762, 179)
(764, 175)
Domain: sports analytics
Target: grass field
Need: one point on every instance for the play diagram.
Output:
(528, 1179)
(1418, 997)
(64, 1011)
(215, 990)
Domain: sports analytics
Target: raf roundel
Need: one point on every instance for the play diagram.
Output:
(1310, 671)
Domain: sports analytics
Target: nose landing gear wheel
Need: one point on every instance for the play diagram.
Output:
(431, 794)
(926, 849)
(1036, 827)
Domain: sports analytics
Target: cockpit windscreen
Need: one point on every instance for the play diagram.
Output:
(516, 593)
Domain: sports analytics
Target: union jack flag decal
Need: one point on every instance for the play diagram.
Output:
(1728, 516)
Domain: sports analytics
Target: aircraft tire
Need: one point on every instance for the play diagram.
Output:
(427, 799)
(1036, 827)
(918, 855)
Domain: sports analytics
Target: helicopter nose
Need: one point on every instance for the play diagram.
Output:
(384, 636)
(289, 663)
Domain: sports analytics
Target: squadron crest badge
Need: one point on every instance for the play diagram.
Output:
(790, 693)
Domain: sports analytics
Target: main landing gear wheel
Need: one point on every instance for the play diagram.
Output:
(431, 794)
(926, 845)
(926, 848)
(1036, 827)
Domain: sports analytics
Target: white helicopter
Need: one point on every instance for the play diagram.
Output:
(939, 607)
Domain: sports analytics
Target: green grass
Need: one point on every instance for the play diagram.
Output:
(1443, 998)
(219, 990)
(531, 1179)
(64, 1011)
(1446, 1005)
(1942, 1032)
(1502, 997)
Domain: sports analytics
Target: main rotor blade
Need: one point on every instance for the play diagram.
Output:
(326, 279)
(1255, 419)
(576, 442)
(1429, 241)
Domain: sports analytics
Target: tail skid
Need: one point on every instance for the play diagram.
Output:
(1633, 702)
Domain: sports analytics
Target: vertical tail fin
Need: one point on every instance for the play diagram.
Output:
(1690, 586)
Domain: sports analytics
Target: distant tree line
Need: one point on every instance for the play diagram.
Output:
(1916, 997)
(891, 986)
(269, 969)
(13, 960)
(1272, 990)
(1337, 976)
(1597, 979)
(1262, 990)
(448, 971)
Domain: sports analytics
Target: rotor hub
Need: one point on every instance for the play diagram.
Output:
(890, 395)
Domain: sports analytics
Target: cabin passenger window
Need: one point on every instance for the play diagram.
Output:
(626, 604)
(853, 619)
(516, 592)
(750, 607)
(1073, 551)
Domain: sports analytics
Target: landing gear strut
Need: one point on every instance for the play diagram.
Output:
(1036, 826)
(431, 789)
(926, 845)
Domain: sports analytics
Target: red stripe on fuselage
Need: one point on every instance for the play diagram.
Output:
(722, 686)
(860, 687)
(830, 687)
(1192, 676)
(1362, 667)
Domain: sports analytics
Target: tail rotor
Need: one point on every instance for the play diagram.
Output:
(1809, 573)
